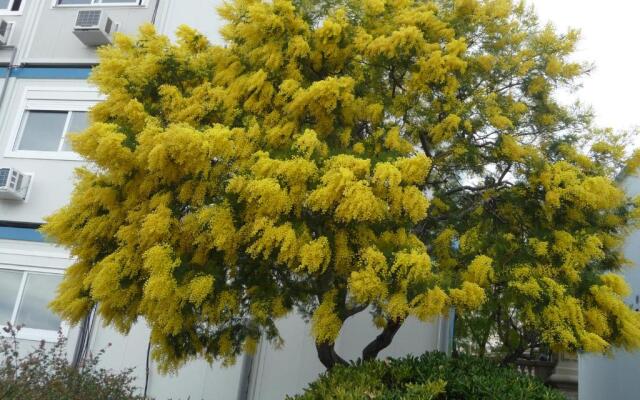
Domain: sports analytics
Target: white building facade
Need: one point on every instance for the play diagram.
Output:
(47, 48)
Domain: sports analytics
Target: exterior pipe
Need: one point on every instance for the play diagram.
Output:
(155, 12)
(79, 348)
(147, 370)
(245, 376)
(452, 332)
(84, 337)
(14, 50)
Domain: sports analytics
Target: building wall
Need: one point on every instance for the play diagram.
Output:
(198, 14)
(52, 173)
(616, 377)
(22, 255)
(20, 23)
(196, 380)
(276, 373)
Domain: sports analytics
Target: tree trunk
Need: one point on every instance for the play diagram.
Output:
(328, 356)
(382, 340)
(513, 356)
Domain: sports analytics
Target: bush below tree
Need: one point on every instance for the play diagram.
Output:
(432, 376)
(47, 374)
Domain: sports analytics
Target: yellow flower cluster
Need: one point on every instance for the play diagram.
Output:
(325, 324)
(479, 271)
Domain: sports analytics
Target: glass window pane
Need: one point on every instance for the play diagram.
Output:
(42, 130)
(119, 1)
(16, 5)
(78, 123)
(74, 1)
(34, 312)
(4, 4)
(9, 285)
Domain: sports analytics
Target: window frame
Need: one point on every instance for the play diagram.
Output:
(61, 141)
(79, 99)
(97, 3)
(27, 333)
(7, 11)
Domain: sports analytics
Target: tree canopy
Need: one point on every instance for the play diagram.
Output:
(395, 156)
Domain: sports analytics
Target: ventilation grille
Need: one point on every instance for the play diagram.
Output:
(88, 18)
(4, 176)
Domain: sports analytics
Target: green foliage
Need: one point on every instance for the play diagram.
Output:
(430, 376)
(46, 374)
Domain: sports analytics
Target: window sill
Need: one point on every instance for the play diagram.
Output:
(44, 155)
(37, 335)
(121, 5)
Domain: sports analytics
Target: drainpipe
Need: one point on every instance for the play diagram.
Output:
(155, 12)
(245, 376)
(84, 336)
(451, 350)
(14, 50)
(147, 369)
(79, 349)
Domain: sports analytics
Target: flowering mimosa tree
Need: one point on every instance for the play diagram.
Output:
(400, 157)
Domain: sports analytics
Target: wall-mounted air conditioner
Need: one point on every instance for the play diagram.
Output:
(5, 30)
(94, 27)
(14, 185)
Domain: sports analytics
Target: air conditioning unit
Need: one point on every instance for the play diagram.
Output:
(5, 30)
(94, 27)
(13, 184)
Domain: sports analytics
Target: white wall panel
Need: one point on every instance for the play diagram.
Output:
(52, 179)
(287, 371)
(53, 41)
(196, 380)
(198, 14)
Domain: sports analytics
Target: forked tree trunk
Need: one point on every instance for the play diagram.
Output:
(328, 356)
(382, 341)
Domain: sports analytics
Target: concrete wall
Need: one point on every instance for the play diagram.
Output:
(198, 14)
(54, 42)
(287, 371)
(196, 380)
(36, 257)
(602, 377)
(52, 173)
(20, 23)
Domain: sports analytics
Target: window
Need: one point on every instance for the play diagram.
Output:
(10, 5)
(44, 118)
(24, 299)
(92, 2)
(42, 130)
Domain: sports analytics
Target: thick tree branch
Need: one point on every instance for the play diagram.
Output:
(472, 188)
(382, 341)
(424, 141)
(349, 312)
(504, 174)
(328, 356)
(326, 351)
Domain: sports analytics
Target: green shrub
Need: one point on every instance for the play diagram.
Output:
(431, 376)
(47, 374)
